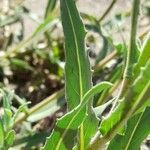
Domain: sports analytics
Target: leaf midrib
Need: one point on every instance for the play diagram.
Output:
(139, 98)
(79, 73)
(77, 51)
(86, 97)
(134, 130)
(66, 130)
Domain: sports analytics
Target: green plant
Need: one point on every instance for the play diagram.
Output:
(8, 119)
(95, 118)
(134, 93)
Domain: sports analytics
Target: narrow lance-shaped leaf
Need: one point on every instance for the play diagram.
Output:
(77, 69)
(20, 64)
(65, 126)
(136, 96)
(138, 128)
(10, 137)
(7, 116)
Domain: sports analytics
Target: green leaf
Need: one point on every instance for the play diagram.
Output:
(50, 7)
(145, 104)
(7, 97)
(7, 116)
(1, 134)
(20, 64)
(135, 98)
(144, 57)
(67, 125)
(77, 69)
(138, 128)
(7, 119)
(44, 26)
(29, 141)
(10, 137)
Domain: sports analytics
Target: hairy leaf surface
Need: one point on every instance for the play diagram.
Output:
(77, 69)
(65, 127)
(136, 96)
(138, 128)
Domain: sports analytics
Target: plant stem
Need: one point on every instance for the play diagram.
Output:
(81, 137)
(102, 63)
(130, 60)
(128, 73)
(131, 53)
(107, 10)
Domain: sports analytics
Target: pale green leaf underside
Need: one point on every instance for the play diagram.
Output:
(44, 112)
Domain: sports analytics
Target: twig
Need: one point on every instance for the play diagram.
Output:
(102, 63)
(107, 10)
(24, 116)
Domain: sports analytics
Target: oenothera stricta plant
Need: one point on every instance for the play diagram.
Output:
(127, 123)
